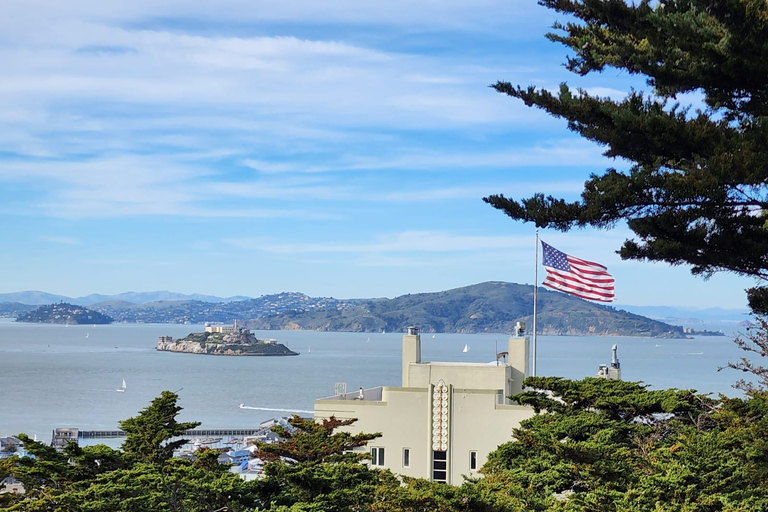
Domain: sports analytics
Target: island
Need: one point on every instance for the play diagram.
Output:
(219, 340)
(64, 313)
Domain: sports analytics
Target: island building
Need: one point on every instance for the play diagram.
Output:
(444, 419)
(226, 329)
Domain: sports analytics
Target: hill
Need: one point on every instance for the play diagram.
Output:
(487, 307)
(198, 312)
(36, 298)
(64, 313)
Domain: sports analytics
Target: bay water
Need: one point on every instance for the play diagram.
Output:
(67, 376)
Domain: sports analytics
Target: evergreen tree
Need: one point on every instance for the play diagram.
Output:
(696, 190)
(148, 435)
(314, 468)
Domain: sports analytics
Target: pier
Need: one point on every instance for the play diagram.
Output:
(223, 432)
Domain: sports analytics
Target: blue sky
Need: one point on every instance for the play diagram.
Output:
(333, 148)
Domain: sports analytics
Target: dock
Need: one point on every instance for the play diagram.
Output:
(222, 432)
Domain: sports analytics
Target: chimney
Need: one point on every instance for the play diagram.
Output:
(518, 359)
(411, 352)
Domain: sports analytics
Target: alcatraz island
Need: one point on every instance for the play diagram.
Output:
(220, 340)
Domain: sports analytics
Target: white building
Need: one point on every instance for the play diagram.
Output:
(444, 419)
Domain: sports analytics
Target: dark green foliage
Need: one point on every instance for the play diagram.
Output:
(148, 435)
(485, 307)
(309, 441)
(596, 445)
(143, 478)
(603, 445)
(314, 468)
(695, 193)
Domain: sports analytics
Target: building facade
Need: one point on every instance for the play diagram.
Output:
(444, 419)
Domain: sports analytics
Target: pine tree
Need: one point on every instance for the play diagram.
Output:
(695, 193)
(148, 435)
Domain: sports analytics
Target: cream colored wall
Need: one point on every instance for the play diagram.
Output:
(479, 424)
(403, 417)
(463, 375)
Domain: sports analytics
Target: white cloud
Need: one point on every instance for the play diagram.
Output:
(62, 240)
(410, 242)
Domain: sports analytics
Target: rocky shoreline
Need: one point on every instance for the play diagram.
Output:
(224, 342)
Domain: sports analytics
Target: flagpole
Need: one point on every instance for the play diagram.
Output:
(535, 297)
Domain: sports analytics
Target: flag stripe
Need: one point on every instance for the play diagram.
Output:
(581, 291)
(575, 276)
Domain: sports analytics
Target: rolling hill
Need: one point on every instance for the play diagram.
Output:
(491, 307)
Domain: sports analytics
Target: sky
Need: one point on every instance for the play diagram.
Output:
(332, 148)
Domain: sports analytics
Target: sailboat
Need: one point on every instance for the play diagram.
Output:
(309, 350)
(87, 334)
(122, 388)
(466, 348)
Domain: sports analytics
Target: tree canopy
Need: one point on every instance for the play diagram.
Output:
(596, 445)
(148, 435)
(695, 192)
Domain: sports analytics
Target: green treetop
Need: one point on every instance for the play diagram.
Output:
(148, 435)
(695, 193)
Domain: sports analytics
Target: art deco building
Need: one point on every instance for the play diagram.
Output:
(444, 419)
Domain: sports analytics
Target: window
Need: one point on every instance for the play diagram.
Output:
(406, 457)
(439, 466)
(473, 461)
(377, 456)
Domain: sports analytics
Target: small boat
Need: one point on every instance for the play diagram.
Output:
(309, 350)
(122, 388)
(368, 340)
(466, 348)
(433, 336)
(87, 334)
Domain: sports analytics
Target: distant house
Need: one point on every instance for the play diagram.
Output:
(61, 436)
(9, 485)
(9, 445)
(236, 457)
(249, 470)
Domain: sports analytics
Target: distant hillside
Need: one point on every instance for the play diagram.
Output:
(486, 307)
(36, 298)
(14, 309)
(64, 313)
(197, 312)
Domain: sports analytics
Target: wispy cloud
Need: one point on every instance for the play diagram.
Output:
(63, 240)
(411, 242)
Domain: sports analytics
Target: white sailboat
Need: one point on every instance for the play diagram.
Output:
(466, 348)
(309, 350)
(122, 388)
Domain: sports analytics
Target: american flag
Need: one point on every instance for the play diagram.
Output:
(575, 276)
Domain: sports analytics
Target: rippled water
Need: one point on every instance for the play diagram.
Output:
(56, 376)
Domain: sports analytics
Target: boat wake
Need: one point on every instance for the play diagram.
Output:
(243, 406)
